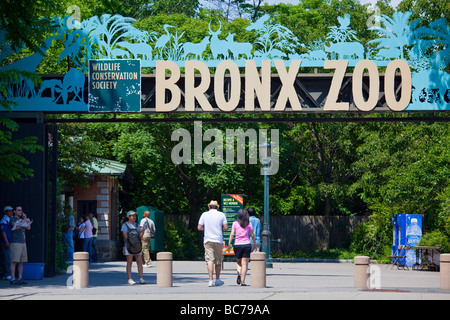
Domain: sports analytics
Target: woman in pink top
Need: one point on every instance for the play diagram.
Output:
(242, 246)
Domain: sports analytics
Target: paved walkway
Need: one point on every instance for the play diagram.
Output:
(285, 281)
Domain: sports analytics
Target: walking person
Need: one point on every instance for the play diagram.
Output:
(94, 222)
(256, 225)
(79, 234)
(213, 222)
(88, 244)
(19, 223)
(68, 237)
(133, 245)
(241, 228)
(149, 234)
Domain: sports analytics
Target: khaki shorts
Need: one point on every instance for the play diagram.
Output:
(213, 252)
(19, 252)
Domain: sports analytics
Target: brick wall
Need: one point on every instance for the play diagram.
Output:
(99, 190)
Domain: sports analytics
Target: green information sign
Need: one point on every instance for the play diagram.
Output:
(231, 204)
(114, 85)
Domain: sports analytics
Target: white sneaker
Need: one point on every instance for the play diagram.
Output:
(219, 282)
(141, 281)
(131, 282)
(211, 283)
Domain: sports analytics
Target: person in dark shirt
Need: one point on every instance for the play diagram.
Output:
(5, 240)
(19, 223)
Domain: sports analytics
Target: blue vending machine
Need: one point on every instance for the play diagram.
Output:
(407, 231)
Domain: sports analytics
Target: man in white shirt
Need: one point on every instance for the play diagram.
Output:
(213, 222)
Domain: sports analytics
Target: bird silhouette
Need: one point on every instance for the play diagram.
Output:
(162, 40)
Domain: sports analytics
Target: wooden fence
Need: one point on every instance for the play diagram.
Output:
(304, 233)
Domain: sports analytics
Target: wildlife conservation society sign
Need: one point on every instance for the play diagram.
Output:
(114, 85)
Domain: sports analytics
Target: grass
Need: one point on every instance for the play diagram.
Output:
(316, 254)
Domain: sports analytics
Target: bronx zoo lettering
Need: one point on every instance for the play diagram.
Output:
(257, 83)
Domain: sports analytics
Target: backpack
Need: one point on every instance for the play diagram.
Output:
(134, 244)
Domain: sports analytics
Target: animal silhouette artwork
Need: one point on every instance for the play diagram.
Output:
(49, 85)
(238, 49)
(219, 48)
(25, 89)
(66, 92)
(73, 83)
(51, 93)
(346, 51)
(162, 41)
(343, 49)
(424, 46)
(195, 50)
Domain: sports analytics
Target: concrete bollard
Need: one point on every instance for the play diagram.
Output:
(258, 275)
(445, 271)
(361, 276)
(164, 269)
(80, 270)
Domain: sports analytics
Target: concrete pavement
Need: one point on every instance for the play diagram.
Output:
(285, 281)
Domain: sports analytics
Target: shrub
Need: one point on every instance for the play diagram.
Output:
(372, 238)
(182, 242)
(436, 238)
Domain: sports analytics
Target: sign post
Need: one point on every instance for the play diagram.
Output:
(231, 204)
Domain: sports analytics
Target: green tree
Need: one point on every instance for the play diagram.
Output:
(20, 26)
(176, 188)
(426, 10)
(405, 170)
(14, 164)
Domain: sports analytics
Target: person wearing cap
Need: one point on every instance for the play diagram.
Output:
(5, 240)
(147, 237)
(213, 222)
(131, 223)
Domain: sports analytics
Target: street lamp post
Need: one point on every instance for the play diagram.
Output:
(264, 150)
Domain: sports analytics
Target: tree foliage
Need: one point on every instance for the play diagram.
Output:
(375, 169)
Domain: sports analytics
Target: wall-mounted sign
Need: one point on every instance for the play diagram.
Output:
(114, 85)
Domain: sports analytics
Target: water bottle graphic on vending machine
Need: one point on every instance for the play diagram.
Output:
(413, 236)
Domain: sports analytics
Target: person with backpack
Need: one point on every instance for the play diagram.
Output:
(149, 234)
(132, 235)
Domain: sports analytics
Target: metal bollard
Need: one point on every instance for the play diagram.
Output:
(361, 276)
(258, 275)
(164, 269)
(445, 271)
(80, 270)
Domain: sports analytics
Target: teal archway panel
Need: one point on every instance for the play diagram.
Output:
(426, 49)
